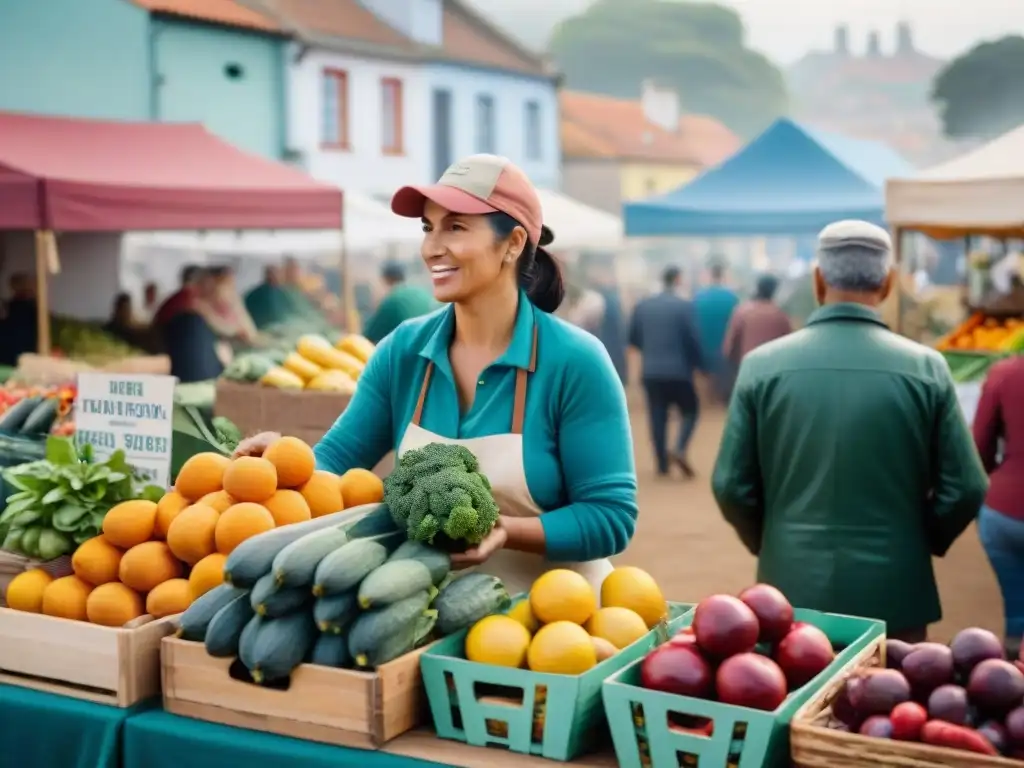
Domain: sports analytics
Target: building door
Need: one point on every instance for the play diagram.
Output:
(442, 132)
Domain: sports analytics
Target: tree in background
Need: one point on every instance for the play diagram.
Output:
(981, 93)
(696, 48)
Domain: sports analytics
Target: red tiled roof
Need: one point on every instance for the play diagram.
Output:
(345, 19)
(225, 12)
(599, 126)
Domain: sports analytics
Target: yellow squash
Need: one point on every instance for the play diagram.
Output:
(320, 351)
(301, 367)
(281, 378)
(358, 346)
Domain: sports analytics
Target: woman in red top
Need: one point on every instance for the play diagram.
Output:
(999, 435)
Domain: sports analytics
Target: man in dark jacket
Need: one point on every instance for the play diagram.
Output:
(846, 463)
(664, 331)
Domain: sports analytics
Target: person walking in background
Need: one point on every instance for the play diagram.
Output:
(182, 299)
(402, 302)
(713, 306)
(846, 463)
(19, 332)
(999, 424)
(755, 322)
(663, 330)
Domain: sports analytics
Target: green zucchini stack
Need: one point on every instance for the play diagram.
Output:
(351, 595)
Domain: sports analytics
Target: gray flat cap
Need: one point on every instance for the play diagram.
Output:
(855, 232)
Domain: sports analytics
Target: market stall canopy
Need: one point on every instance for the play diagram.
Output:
(77, 175)
(979, 193)
(791, 180)
(368, 224)
(578, 226)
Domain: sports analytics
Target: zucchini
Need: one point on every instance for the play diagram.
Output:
(439, 563)
(14, 418)
(348, 565)
(331, 651)
(394, 581)
(407, 639)
(40, 420)
(247, 639)
(376, 522)
(280, 645)
(226, 627)
(468, 599)
(254, 558)
(194, 621)
(333, 613)
(296, 564)
(271, 601)
(372, 629)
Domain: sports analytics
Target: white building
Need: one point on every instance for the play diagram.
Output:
(389, 92)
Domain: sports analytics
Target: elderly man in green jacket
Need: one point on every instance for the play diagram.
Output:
(846, 463)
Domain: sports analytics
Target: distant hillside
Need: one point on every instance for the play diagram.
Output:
(531, 21)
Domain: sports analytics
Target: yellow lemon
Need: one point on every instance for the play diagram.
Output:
(619, 626)
(633, 588)
(498, 640)
(521, 612)
(562, 648)
(562, 595)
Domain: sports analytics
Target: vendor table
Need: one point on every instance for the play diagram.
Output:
(157, 739)
(44, 729)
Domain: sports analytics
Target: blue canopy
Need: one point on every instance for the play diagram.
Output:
(791, 180)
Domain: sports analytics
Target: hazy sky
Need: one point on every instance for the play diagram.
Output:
(785, 29)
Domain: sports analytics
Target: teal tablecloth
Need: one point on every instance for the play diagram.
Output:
(44, 730)
(158, 739)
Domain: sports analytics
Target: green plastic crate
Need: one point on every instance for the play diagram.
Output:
(512, 712)
(740, 737)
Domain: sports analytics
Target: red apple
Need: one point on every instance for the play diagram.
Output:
(677, 669)
(774, 612)
(804, 653)
(724, 626)
(751, 680)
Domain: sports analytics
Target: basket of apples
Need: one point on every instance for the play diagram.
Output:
(722, 691)
(931, 706)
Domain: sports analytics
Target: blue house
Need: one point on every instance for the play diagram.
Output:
(211, 61)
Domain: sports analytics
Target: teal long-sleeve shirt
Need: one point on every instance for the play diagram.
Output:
(577, 444)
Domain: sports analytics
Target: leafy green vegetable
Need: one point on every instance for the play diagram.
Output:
(61, 500)
(438, 489)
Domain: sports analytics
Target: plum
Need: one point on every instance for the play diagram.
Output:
(774, 612)
(926, 667)
(1014, 723)
(994, 731)
(972, 646)
(877, 726)
(949, 704)
(725, 626)
(881, 692)
(895, 652)
(996, 686)
(845, 704)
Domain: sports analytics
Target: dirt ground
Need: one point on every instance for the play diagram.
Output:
(684, 543)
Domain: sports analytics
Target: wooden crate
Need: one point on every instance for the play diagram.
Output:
(73, 658)
(814, 744)
(334, 706)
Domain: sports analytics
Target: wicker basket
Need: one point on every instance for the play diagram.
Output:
(11, 564)
(814, 743)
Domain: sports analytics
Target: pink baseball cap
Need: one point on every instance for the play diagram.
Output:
(477, 185)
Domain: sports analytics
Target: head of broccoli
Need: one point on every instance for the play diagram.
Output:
(438, 489)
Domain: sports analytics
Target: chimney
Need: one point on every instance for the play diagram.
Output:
(660, 105)
(842, 40)
(904, 39)
(874, 45)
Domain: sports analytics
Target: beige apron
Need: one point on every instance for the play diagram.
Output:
(501, 460)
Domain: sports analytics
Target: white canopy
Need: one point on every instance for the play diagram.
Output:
(367, 224)
(981, 192)
(578, 226)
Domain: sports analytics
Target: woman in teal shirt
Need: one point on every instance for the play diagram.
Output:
(537, 400)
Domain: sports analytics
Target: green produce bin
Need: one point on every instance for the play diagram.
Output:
(740, 737)
(486, 705)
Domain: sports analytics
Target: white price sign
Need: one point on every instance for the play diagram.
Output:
(130, 413)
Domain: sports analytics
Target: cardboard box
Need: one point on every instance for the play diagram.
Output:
(300, 413)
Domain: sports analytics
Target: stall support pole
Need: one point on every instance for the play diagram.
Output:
(897, 260)
(46, 262)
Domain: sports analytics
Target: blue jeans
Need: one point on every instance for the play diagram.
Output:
(1003, 540)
